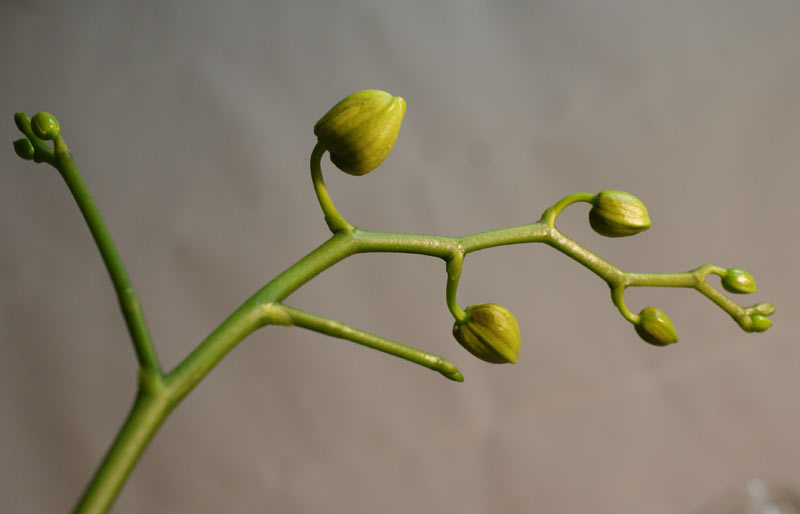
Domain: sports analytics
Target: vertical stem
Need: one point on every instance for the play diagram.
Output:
(453, 276)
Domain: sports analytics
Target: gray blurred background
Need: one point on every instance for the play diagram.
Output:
(192, 124)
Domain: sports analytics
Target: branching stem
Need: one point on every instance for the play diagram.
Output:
(158, 393)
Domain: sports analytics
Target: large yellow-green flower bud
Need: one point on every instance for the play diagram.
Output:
(655, 327)
(618, 214)
(489, 332)
(360, 131)
(737, 280)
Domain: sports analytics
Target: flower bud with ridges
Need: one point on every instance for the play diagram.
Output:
(489, 332)
(655, 327)
(360, 131)
(618, 214)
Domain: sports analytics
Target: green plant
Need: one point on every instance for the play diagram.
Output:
(359, 133)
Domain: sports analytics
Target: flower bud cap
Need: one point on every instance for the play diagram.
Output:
(618, 214)
(489, 332)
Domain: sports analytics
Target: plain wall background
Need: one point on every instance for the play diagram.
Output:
(192, 125)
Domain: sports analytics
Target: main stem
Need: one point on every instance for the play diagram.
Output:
(146, 416)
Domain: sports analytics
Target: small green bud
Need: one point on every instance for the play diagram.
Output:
(760, 323)
(45, 126)
(22, 121)
(764, 308)
(655, 327)
(24, 148)
(737, 280)
(489, 332)
(618, 214)
(360, 131)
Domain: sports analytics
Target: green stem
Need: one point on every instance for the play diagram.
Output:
(129, 303)
(453, 276)
(602, 268)
(334, 220)
(148, 413)
(338, 329)
(552, 213)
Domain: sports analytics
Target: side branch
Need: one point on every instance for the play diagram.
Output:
(129, 303)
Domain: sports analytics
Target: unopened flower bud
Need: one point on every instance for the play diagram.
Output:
(489, 332)
(45, 126)
(24, 148)
(764, 308)
(760, 323)
(618, 214)
(737, 280)
(360, 131)
(655, 327)
(22, 121)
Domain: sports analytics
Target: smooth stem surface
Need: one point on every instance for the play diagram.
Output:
(129, 303)
(334, 220)
(338, 329)
(148, 413)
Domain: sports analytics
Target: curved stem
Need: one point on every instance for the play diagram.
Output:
(618, 297)
(129, 303)
(551, 214)
(334, 220)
